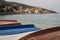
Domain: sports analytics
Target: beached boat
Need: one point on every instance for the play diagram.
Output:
(9, 22)
(9, 27)
(46, 34)
(17, 29)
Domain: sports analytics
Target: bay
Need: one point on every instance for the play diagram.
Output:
(40, 20)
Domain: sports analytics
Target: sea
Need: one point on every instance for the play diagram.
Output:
(39, 20)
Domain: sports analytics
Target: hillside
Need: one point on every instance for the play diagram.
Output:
(19, 8)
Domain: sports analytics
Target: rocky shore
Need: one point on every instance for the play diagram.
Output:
(19, 8)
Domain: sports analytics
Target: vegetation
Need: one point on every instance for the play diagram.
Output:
(19, 8)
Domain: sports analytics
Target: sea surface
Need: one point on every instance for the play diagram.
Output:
(39, 20)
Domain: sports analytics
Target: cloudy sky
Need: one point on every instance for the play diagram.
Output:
(48, 4)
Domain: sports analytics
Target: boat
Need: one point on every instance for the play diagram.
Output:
(9, 27)
(45, 34)
(9, 22)
(17, 29)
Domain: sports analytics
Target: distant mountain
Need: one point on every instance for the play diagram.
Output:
(22, 8)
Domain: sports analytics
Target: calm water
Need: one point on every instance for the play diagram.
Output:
(40, 20)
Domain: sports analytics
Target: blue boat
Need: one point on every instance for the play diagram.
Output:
(9, 30)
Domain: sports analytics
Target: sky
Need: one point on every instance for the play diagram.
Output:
(48, 4)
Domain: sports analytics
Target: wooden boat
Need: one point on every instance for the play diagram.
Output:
(16, 26)
(5, 30)
(9, 20)
(46, 34)
(8, 23)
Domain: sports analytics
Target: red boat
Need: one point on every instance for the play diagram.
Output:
(9, 22)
